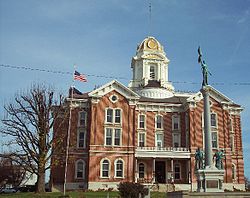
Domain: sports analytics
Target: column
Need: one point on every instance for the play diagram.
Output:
(172, 171)
(136, 170)
(153, 172)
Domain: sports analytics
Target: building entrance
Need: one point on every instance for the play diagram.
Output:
(160, 171)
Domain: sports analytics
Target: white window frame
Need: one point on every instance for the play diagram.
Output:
(76, 169)
(139, 121)
(144, 171)
(78, 137)
(113, 129)
(217, 139)
(177, 164)
(123, 165)
(138, 138)
(231, 125)
(113, 119)
(161, 123)
(156, 141)
(79, 119)
(152, 75)
(173, 122)
(101, 168)
(232, 142)
(216, 120)
(179, 139)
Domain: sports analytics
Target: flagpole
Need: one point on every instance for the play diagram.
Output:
(68, 134)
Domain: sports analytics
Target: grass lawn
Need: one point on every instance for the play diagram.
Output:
(75, 195)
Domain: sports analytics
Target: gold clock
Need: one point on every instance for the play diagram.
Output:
(152, 44)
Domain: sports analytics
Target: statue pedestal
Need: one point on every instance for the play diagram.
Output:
(210, 179)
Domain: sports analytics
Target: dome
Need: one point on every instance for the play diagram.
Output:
(150, 44)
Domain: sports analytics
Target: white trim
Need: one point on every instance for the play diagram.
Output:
(176, 116)
(138, 138)
(179, 139)
(162, 122)
(145, 170)
(109, 168)
(123, 165)
(177, 164)
(156, 141)
(234, 171)
(145, 121)
(111, 98)
(79, 119)
(76, 169)
(112, 136)
(113, 116)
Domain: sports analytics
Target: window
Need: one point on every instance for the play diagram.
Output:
(117, 141)
(118, 116)
(109, 117)
(81, 138)
(108, 136)
(176, 139)
(232, 141)
(80, 167)
(233, 172)
(231, 125)
(175, 122)
(119, 168)
(141, 170)
(105, 168)
(152, 73)
(142, 121)
(82, 119)
(113, 137)
(213, 120)
(141, 139)
(214, 139)
(177, 171)
(113, 116)
(159, 139)
(159, 122)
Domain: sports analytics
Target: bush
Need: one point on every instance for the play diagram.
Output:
(132, 190)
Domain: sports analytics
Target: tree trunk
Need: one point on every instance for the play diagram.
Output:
(40, 184)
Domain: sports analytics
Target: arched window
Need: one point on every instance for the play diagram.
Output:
(81, 138)
(233, 172)
(105, 166)
(141, 170)
(82, 119)
(159, 122)
(177, 171)
(152, 73)
(80, 169)
(119, 168)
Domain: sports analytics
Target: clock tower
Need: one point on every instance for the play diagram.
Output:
(150, 70)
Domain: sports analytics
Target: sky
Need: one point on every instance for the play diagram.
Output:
(101, 36)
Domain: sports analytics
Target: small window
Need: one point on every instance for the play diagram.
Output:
(81, 138)
(214, 140)
(109, 116)
(108, 136)
(119, 168)
(142, 121)
(141, 139)
(105, 168)
(117, 141)
(117, 116)
(82, 119)
(152, 73)
(213, 120)
(233, 172)
(159, 139)
(176, 140)
(141, 170)
(175, 122)
(177, 171)
(80, 166)
(159, 122)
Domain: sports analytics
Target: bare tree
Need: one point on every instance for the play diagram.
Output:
(28, 122)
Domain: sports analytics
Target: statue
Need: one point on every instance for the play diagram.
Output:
(204, 68)
(199, 157)
(219, 156)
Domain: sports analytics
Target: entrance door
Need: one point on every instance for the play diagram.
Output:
(160, 171)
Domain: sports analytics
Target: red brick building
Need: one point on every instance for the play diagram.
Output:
(146, 132)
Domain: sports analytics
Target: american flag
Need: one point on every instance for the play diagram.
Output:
(80, 77)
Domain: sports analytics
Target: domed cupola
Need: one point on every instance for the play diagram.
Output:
(150, 70)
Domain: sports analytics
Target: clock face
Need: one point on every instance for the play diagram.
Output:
(152, 44)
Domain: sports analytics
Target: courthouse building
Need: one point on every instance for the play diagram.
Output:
(145, 132)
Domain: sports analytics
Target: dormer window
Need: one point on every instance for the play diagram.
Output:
(152, 72)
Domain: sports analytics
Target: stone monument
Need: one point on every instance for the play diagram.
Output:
(209, 177)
